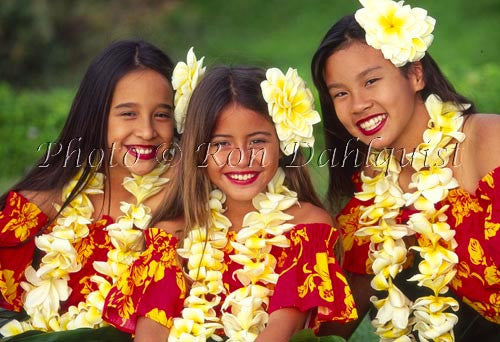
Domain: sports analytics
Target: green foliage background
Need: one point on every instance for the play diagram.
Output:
(45, 47)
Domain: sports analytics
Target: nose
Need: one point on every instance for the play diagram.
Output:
(237, 157)
(145, 128)
(360, 102)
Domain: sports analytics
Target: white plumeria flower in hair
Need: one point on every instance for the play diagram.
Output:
(185, 78)
(291, 106)
(402, 33)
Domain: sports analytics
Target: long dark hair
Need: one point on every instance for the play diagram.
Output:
(88, 118)
(220, 87)
(337, 138)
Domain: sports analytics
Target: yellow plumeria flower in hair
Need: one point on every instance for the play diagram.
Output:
(402, 33)
(291, 106)
(185, 78)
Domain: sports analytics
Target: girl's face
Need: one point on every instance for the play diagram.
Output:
(244, 153)
(141, 124)
(372, 98)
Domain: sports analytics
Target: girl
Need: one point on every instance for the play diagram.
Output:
(254, 242)
(73, 223)
(380, 89)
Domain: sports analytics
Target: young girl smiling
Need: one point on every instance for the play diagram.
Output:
(415, 225)
(72, 225)
(255, 245)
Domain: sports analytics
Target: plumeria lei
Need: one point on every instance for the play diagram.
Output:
(436, 244)
(46, 287)
(402, 33)
(244, 313)
(290, 102)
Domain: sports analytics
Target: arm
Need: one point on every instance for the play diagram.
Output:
(148, 330)
(480, 151)
(282, 325)
(362, 291)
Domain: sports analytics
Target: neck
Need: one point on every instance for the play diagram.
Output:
(114, 193)
(236, 211)
(411, 136)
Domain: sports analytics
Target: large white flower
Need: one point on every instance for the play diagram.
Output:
(402, 33)
(291, 106)
(143, 187)
(185, 78)
(44, 295)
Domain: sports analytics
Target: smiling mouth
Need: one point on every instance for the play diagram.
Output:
(142, 152)
(372, 124)
(242, 178)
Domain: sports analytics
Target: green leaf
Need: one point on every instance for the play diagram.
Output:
(6, 314)
(306, 335)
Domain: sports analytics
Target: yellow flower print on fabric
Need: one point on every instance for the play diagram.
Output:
(156, 270)
(476, 252)
(351, 311)
(350, 223)
(24, 221)
(490, 228)
(488, 311)
(160, 316)
(8, 285)
(325, 287)
(462, 205)
(492, 275)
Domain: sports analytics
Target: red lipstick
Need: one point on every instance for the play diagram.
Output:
(142, 152)
(242, 178)
(370, 129)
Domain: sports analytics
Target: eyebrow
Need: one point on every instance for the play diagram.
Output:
(259, 132)
(360, 75)
(132, 104)
(248, 135)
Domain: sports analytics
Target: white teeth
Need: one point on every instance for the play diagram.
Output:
(241, 177)
(143, 150)
(373, 122)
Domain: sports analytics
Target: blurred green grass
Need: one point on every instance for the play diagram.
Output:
(265, 33)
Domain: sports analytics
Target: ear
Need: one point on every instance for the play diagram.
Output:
(416, 76)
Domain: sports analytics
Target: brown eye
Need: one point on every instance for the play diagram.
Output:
(339, 94)
(371, 81)
(163, 115)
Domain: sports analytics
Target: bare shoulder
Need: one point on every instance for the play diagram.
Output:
(483, 147)
(306, 212)
(174, 227)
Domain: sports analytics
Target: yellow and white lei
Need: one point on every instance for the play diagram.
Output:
(244, 313)
(46, 287)
(432, 180)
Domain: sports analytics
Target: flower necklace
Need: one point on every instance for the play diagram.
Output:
(244, 313)
(47, 286)
(436, 242)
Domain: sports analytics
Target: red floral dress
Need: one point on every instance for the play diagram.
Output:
(20, 221)
(476, 220)
(310, 279)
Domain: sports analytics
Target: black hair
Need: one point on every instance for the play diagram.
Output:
(87, 122)
(343, 32)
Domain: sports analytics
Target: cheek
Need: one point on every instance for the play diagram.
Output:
(213, 172)
(340, 107)
(272, 157)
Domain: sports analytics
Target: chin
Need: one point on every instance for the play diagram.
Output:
(376, 142)
(142, 170)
